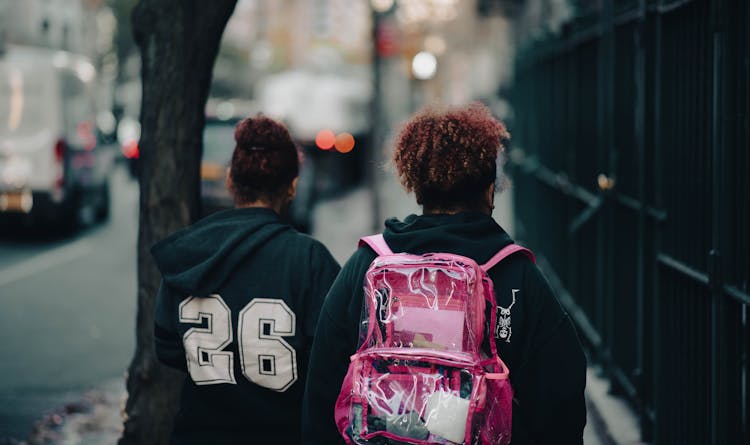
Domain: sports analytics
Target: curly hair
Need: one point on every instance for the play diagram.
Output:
(265, 160)
(448, 157)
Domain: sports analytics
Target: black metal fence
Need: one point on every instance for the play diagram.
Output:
(632, 180)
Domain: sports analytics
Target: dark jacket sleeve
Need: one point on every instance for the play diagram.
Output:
(324, 269)
(550, 380)
(168, 343)
(335, 341)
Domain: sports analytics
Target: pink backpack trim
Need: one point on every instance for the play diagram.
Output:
(504, 253)
(378, 244)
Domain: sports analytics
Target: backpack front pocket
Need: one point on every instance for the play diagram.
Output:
(415, 398)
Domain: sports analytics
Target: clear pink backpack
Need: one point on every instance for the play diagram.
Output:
(420, 375)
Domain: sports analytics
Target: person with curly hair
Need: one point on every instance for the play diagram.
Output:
(239, 300)
(449, 159)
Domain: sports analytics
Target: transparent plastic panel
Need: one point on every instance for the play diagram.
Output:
(421, 398)
(423, 304)
(413, 399)
(421, 375)
(493, 424)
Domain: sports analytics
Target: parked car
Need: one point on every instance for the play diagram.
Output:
(52, 169)
(218, 144)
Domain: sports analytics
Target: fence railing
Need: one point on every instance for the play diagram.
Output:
(631, 167)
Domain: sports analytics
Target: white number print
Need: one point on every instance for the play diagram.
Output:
(207, 364)
(267, 360)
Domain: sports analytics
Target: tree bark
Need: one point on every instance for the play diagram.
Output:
(178, 41)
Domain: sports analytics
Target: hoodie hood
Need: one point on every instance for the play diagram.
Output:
(472, 234)
(198, 259)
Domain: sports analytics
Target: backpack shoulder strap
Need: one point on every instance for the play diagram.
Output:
(376, 243)
(506, 252)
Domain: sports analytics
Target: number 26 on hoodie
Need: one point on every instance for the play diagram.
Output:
(266, 359)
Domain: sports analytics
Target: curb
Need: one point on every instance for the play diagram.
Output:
(613, 420)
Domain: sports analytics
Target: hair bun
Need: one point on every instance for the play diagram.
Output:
(244, 134)
(261, 134)
(264, 161)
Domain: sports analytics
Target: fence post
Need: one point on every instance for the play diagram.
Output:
(718, 325)
(655, 146)
(601, 148)
(639, 72)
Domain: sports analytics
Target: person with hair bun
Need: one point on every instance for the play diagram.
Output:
(449, 159)
(239, 300)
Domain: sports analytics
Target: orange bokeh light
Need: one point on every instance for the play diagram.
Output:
(344, 143)
(325, 139)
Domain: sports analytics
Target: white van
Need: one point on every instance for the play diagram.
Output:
(52, 169)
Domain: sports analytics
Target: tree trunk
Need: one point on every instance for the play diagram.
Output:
(178, 41)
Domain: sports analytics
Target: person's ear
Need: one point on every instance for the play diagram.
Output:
(292, 192)
(228, 181)
(490, 196)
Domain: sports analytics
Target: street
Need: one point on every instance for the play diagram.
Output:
(68, 317)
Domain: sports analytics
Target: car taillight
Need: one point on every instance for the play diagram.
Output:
(60, 150)
(325, 139)
(130, 149)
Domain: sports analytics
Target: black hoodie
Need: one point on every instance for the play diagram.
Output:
(239, 299)
(546, 362)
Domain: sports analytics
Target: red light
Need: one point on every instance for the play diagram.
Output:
(60, 149)
(344, 143)
(130, 150)
(325, 139)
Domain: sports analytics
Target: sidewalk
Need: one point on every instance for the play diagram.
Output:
(93, 420)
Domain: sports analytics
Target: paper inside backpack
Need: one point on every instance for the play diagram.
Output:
(446, 415)
(427, 328)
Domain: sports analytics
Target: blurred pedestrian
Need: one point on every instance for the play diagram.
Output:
(239, 301)
(448, 158)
